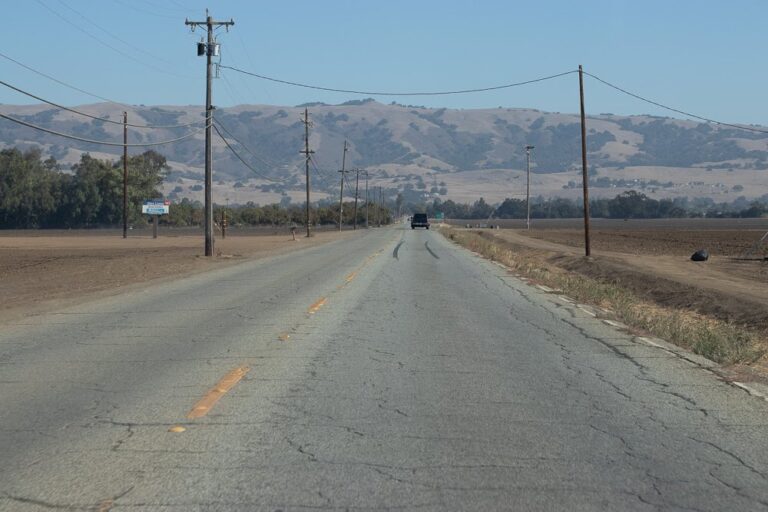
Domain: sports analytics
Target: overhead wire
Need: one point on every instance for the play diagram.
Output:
(399, 93)
(672, 109)
(60, 82)
(104, 43)
(250, 60)
(116, 37)
(492, 88)
(147, 11)
(319, 170)
(85, 114)
(242, 160)
(320, 173)
(104, 143)
(244, 146)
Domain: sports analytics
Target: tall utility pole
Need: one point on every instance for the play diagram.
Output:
(528, 186)
(357, 185)
(308, 155)
(341, 193)
(125, 174)
(366, 199)
(379, 213)
(584, 174)
(209, 49)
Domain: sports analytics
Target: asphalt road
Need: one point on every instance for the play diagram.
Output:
(392, 370)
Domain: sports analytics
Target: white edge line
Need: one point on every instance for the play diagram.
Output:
(749, 389)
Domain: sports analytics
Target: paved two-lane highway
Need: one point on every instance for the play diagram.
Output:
(391, 370)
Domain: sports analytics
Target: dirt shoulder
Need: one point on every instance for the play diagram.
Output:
(39, 272)
(722, 287)
(658, 266)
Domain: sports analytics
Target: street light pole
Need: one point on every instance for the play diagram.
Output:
(528, 186)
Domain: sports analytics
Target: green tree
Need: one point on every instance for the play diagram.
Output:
(30, 189)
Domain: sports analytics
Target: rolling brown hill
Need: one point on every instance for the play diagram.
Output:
(458, 154)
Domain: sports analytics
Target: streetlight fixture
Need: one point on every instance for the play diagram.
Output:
(528, 186)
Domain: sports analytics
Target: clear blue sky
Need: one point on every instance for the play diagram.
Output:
(704, 56)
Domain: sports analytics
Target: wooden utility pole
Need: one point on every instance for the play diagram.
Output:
(308, 155)
(125, 174)
(341, 193)
(357, 184)
(378, 210)
(209, 49)
(366, 199)
(584, 174)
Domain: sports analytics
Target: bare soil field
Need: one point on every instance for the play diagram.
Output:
(652, 258)
(44, 269)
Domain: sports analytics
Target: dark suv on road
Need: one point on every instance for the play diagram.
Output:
(419, 220)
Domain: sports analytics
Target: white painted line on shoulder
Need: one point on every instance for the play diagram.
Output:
(749, 389)
(544, 288)
(618, 325)
(650, 342)
(590, 313)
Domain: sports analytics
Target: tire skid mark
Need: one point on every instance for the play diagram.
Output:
(397, 248)
(426, 244)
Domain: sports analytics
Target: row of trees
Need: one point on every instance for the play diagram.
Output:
(190, 213)
(628, 205)
(35, 193)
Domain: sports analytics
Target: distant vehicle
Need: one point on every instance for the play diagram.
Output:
(419, 220)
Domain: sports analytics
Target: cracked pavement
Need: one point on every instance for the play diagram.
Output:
(429, 379)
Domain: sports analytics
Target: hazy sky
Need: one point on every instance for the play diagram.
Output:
(703, 56)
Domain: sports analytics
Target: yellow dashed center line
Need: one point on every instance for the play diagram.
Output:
(350, 277)
(227, 382)
(317, 305)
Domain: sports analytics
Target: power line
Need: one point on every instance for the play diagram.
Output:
(147, 11)
(257, 157)
(672, 109)
(104, 143)
(321, 174)
(74, 88)
(104, 43)
(380, 93)
(110, 34)
(26, 93)
(241, 158)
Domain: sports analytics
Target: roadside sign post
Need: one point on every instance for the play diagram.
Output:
(155, 208)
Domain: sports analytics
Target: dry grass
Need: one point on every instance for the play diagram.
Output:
(714, 339)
